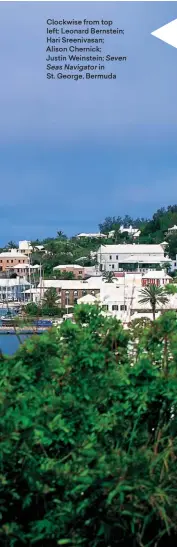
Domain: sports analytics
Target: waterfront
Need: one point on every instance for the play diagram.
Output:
(9, 343)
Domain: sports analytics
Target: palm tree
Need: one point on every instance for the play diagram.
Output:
(50, 299)
(11, 245)
(153, 295)
(61, 235)
(108, 276)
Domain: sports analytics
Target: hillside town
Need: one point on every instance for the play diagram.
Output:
(109, 269)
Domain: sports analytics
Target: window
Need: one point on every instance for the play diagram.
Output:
(112, 266)
(75, 293)
(110, 258)
(117, 257)
(7, 260)
(80, 272)
(84, 293)
(12, 261)
(123, 308)
(115, 307)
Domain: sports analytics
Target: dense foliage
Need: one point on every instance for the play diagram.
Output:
(49, 306)
(88, 441)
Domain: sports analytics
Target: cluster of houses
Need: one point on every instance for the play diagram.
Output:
(134, 232)
(133, 267)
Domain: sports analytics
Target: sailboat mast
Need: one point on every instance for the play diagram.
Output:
(40, 282)
(30, 276)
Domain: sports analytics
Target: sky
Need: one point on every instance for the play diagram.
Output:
(72, 153)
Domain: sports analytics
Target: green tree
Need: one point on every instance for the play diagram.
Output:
(138, 328)
(171, 289)
(32, 309)
(50, 298)
(153, 295)
(61, 235)
(159, 339)
(58, 274)
(108, 276)
(11, 245)
(88, 443)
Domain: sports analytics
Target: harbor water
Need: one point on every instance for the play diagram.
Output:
(9, 343)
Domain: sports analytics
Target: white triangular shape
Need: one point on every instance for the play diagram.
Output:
(167, 33)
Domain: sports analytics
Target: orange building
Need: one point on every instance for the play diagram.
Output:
(11, 258)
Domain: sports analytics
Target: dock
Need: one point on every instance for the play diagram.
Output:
(22, 330)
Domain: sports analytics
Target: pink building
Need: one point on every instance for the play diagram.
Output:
(158, 278)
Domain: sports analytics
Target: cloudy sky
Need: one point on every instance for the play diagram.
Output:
(71, 152)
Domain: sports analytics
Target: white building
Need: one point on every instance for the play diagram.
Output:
(26, 247)
(96, 236)
(13, 290)
(173, 267)
(172, 230)
(134, 232)
(130, 257)
(33, 295)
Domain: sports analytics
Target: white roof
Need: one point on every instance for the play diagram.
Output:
(6, 282)
(66, 284)
(13, 253)
(73, 266)
(72, 284)
(154, 274)
(131, 249)
(173, 228)
(91, 235)
(22, 266)
(87, 299)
